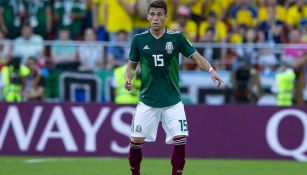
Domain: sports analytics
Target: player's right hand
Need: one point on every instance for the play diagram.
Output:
(128, 85)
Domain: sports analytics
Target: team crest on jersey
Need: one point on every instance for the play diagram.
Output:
(169, 47)
(138, 128)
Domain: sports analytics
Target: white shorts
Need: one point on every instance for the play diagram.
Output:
(146, 121)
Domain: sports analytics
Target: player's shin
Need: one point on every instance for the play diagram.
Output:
(135, 157)
(178, 156)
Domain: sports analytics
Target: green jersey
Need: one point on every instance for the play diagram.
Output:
(63, 8)
(11, 17)
(159, 60)
(37, 12)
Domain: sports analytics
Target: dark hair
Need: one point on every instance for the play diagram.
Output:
(26, 23)
(15, 61)
(122, 31)
(210, 29)
(158, 4)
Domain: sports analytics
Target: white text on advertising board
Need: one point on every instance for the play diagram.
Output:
(273, 139)
(57, 118)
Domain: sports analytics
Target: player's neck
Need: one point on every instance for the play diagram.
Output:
(157, 33)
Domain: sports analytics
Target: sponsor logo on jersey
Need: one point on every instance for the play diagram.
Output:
(169, 47)
(146, 48)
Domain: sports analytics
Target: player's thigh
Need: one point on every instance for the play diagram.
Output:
(145, 122)
(174, 121)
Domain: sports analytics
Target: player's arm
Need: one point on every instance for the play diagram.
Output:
(95, 12)
(300, 61)
(134, 58)
(130, 70)
(205, 65)
(128, 6)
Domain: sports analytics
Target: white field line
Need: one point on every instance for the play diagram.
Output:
(43, 160)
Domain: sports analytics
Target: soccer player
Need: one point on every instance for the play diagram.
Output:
(157, 50)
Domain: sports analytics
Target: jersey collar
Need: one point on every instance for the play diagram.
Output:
(157, 37)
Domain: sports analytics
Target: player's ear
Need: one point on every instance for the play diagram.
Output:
(148, 16)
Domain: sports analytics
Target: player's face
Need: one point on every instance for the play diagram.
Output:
(156, 17)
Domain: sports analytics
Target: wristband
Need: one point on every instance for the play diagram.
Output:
(210, 69)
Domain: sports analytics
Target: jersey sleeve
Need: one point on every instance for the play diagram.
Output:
(134, 55)
(186, 47)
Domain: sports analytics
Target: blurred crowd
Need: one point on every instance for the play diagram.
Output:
(28, 24)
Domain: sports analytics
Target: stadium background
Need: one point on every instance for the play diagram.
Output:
(65, 54)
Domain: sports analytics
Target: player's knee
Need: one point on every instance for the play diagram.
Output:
(180, 140)
(136, 143)
(137, 140)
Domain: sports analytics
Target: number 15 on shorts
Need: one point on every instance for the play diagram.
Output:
(183, 125)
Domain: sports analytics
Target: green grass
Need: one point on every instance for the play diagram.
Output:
(119, 166)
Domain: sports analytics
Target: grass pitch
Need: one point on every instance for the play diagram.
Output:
(119, 166)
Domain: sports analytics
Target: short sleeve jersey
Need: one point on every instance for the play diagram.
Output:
(159, 61)
(8, 17)
(118, 17)
(75, 6)
(295, 15)
(220, 30)
(38, 8)
(247, 16)
(101, 5)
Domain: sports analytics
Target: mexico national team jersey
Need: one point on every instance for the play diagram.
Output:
(159, 60)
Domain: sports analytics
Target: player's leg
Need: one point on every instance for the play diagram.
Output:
(135, 154)
(143, 128)
(178, 156)
(175, 125)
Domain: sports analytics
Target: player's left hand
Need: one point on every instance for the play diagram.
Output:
(215, 77)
